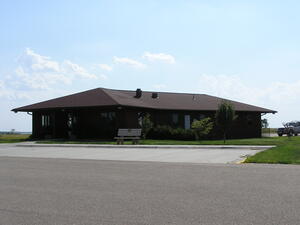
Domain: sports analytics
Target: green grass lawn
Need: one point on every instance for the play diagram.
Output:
(287, 151)
(13, 138)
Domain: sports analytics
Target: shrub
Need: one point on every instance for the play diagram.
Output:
(166, 132)
(202, 127)
(146, 125)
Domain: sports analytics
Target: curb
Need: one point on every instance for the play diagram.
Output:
(239, 147)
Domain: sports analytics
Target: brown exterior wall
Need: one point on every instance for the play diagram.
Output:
(86, 123)
(89, 122)
(128, 118)
(247, 124)
(40, 131)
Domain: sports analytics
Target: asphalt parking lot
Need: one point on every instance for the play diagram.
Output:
(88, 192)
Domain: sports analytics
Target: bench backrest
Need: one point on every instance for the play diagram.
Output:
(129, 132)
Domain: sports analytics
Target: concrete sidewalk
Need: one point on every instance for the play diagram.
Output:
(185, 154)
(238, 147)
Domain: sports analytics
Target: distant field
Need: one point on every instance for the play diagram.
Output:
(269, 130)
(13, 138)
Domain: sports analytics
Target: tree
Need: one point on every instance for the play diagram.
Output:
(264, 123)
(288, 129)
(202, 127)
(225, 116)
(146, 125)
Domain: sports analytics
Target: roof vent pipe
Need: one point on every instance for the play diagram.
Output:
(154, 95)
(138, 93)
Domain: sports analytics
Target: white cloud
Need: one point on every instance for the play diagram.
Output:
(159, 86)
(10, 93)
(130, 62)
(1, 84)
(37, 78)
(41, 72)
(105, 67)
(41, 80)
(102, 77)
(279, 96)
(233, 86)
(78, 70)
(162, 57)
(223, 86)
(38, 62)
(3, 90)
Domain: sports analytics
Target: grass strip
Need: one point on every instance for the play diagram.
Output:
(13, 138)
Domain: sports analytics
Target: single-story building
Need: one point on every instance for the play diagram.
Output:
(98, 113)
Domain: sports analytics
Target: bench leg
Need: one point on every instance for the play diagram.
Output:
(135, 141)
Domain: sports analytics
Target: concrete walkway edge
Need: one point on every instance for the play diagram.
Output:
(252, 147)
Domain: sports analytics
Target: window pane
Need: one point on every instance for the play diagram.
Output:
(175, 118)
(187, 122)
(45, 120)
(201, 116)
(109, 116)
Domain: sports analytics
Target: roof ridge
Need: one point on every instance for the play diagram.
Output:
(108, 95)
(156, 91)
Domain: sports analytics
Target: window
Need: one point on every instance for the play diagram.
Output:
(140, 116)
(187, 122)
(249, 120)
(201, 116)
(175, 118)
(109, 116)
(45, 120)
(70, 120)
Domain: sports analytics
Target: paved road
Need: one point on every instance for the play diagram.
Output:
(90, 192)
(172, 154)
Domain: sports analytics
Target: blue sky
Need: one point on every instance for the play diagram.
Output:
(242, 50)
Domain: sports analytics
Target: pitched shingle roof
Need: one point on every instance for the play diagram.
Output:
(166, 101)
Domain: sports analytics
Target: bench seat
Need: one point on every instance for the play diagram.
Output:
(128, 134)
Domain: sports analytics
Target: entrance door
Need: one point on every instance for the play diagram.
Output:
(187, 122)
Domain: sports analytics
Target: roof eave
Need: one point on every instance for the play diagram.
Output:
(60, 108)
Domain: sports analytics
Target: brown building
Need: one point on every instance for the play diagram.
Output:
(98, 113)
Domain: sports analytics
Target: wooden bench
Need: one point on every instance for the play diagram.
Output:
(129, 134)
